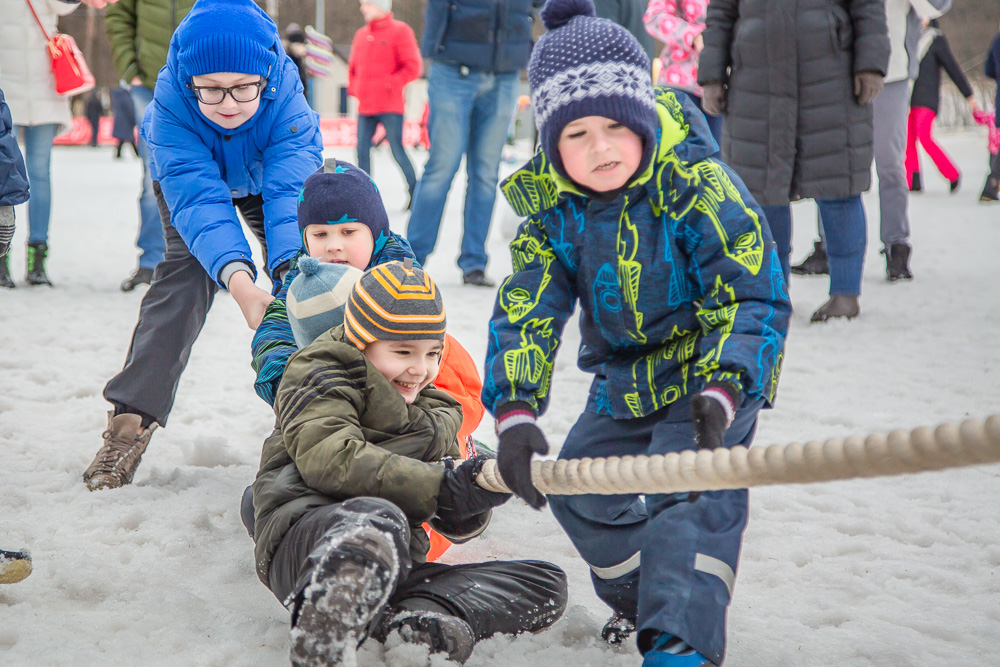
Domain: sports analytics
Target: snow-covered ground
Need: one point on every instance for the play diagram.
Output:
(894, 571)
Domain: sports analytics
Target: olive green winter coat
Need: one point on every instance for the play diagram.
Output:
(140, 32)
(342, 432)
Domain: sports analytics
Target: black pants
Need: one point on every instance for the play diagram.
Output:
(509, 597)
(171, 316)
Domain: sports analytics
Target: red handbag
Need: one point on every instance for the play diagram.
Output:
(68, 66)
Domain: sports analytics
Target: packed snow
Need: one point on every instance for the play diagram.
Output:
(893, 571)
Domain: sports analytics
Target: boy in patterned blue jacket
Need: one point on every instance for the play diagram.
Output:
(228, 130)
(684, 312)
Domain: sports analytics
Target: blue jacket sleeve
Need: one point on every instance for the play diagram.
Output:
(201, 207)
(13, 177)
(745, 308)
(531, 310)
(294, 151)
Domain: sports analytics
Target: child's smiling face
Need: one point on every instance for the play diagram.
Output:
(599, 153)
(229, 113)
(343, 243)
(409, 365)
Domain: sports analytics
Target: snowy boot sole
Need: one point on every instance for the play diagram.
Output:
(349, 586)
(440, 633)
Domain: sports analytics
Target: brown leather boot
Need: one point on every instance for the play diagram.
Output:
(116, 461)
(839, 305)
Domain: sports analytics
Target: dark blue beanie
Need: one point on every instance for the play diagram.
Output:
(586, 66)
(339, 192)
(226, 36)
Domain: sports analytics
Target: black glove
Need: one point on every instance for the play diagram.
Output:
(520, 438)
(460, 497)
(712, 412)
(867, 86)
(713, 98)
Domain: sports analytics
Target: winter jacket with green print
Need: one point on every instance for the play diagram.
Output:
(677, 277)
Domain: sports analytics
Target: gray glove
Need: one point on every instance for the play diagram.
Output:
(867, 86)
(713, 98)
(6, 228)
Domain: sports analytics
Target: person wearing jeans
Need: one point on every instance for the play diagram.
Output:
(846, 235)
(151, 242)
(139, 32)
(475, 51)
(470, 112)
(393, 125)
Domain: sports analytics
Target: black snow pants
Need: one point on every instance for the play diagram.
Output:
(171, 316)
(507, 597)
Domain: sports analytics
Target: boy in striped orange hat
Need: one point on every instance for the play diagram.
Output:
(366, 452)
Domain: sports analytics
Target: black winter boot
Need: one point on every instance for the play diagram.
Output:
(5, 279)
(990, 190)
(897, 262)
(37, 253)
(839, 305)
(440, 633)
(915, 182)
(140, 276)
(816, 264)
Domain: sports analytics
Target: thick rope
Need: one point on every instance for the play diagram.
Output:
(899, 453)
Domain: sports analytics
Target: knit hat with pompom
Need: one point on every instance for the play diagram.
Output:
(317, 297)
(586, 66)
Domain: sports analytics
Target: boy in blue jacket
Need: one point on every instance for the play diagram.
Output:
(228, 129)
(684, 312)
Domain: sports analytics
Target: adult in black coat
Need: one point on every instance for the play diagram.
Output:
(796, 81)
(94, 110)
(123, 129)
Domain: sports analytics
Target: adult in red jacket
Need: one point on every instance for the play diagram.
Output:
(384, 58)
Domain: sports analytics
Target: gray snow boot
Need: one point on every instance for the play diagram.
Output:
(440, 633)
(5, 279)
(348, 588)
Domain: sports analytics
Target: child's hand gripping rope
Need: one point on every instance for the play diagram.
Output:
(520, 437)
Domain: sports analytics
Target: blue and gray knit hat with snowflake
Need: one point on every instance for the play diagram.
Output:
(337, 193)
(586, 66)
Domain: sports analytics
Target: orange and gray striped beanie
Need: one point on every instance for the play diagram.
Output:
(394, 301)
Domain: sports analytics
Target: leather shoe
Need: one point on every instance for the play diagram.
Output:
(478, 278)
(839, 305)
(139, 277)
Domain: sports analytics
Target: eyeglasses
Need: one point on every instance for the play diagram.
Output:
(245, 92)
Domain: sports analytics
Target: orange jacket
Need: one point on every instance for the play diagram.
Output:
(459, 377)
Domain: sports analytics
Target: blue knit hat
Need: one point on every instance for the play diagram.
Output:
(339, 192)
(317, 296)
(586, 66)
(226, 36)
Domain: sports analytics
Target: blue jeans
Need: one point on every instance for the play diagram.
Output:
(846, 229)
(150, 239)
(38, 161)
(469, 115)
(393, 124)
(668, 563)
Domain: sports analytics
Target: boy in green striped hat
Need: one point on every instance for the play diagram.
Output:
(364, 452)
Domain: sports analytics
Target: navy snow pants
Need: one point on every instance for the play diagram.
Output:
(662, 560)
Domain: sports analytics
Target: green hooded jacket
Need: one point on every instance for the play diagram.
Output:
(343, 432)
(140, 32)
